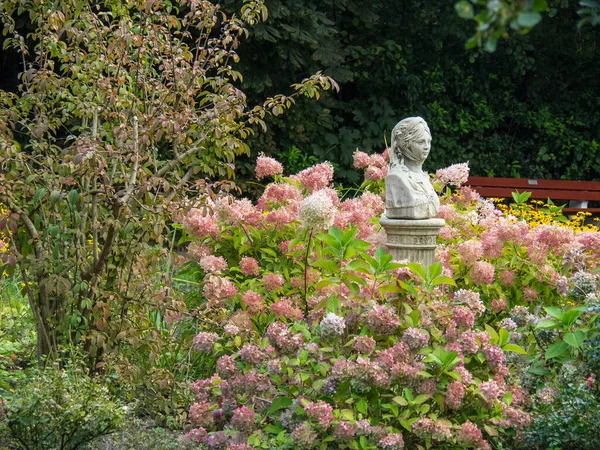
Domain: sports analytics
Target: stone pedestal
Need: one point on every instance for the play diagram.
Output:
(412, 239)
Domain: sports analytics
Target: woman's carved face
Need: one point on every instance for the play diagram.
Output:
(419, 148)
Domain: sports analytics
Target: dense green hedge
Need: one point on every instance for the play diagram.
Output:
(530, 109)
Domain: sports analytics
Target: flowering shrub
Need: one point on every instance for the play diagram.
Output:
(322, 340)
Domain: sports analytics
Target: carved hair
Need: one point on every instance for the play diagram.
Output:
(405, 132)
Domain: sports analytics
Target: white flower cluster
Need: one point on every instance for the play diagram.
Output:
(317, 211)
(332, 326)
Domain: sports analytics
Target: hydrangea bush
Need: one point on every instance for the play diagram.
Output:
(322, 341)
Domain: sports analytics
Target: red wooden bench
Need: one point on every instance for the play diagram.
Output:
(577, 193)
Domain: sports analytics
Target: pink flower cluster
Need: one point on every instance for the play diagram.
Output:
(375, 166)
(316, 177)
(253, 302)
(320, 413)
(273, 281)
(415, 338)
(213, 264)
(267, 167)
(237, 212)
(249, 266)
(470, 435)
(358, 212)
(251, 354)
(454, 175)
(218, 288)
(482, 272)
(282, 338)
(393, 441)
(285, 307)
(436, 429)
(201, 224)
(243, 420)
(382, 320)
(204, 341)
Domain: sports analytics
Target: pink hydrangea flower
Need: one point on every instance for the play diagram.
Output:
(455, 393)
(204, 341)
(319, 412)
(361, 159)
(196, 435)
(279, 194)
(470, 436)
(304, 436)
(374, 173)
(415, 338)
(364, 344)
(273, 281)
(507, 277)
(437, 429)
(253, 302)
(470, 251)
(455, 175)
(498, 305)
(482, 272)
(213, 264)
(344, 431)
(251, 354)
(285, 307)
(218, 288)
(283, 339)
(243, 420)
(393, 441)
(198, 251)
(201, 414)
(464, 316)
(490, 390)
(382, 320)
(226, 367)
(249, 266)
(235, 212)
(267, 167)
(201, 224)
(316, 177)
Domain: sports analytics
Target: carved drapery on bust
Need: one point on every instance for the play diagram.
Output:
(409, 193)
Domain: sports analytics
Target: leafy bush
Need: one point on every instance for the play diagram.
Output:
(567, 419)
(60, 409)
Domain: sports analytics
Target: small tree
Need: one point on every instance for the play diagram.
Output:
(120, 106)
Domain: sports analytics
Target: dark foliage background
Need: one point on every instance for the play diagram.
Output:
(530, 109)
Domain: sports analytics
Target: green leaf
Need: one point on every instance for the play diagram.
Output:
(554, 311)
(434, 270)
(464, 9)
(38, 195)
(362, 406)
(570, 317)
(326, 264)
(73, 196)
(529, 18)
(418, 269)
(514, 348)
(574, 339)
(556, 349)
(547, 323)
(492, 333)
(444, 280)
(540, 5)
(504, 337)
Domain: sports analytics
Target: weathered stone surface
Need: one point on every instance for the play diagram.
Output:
(411, 239)
(408, 190)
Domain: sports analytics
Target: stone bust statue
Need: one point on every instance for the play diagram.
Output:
(408, 190)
